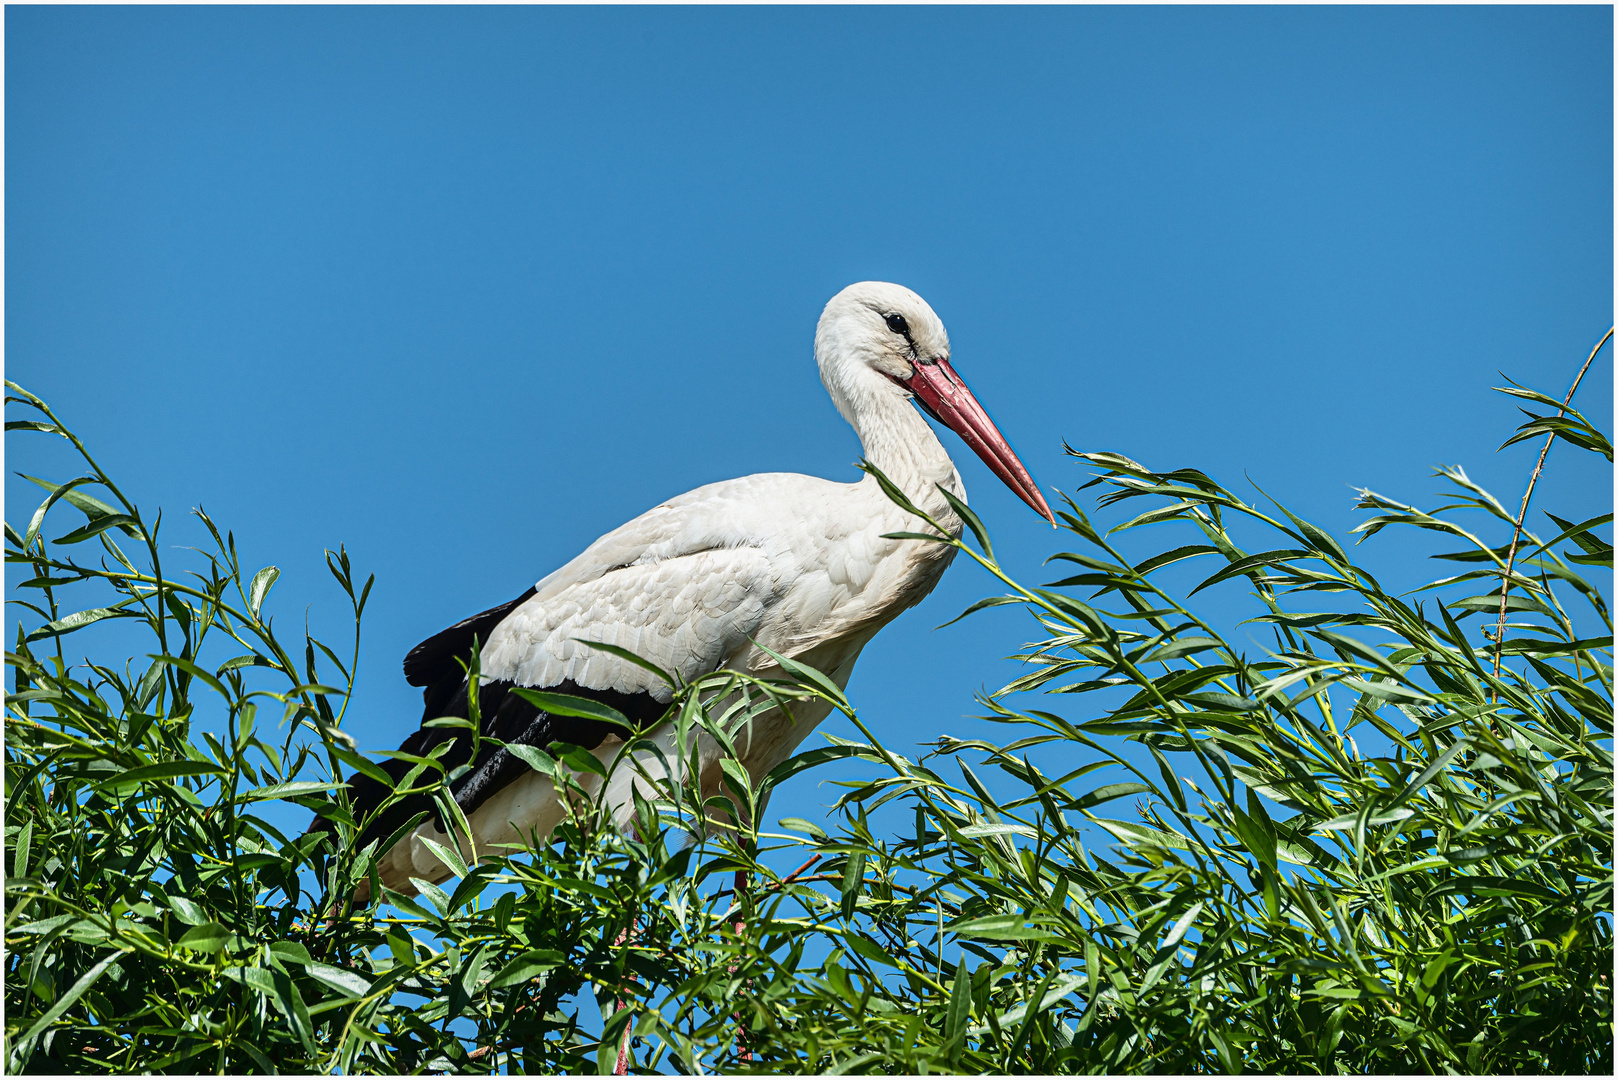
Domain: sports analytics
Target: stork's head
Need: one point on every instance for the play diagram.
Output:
(879, 339)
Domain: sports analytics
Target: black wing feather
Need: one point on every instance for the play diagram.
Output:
(439, 657)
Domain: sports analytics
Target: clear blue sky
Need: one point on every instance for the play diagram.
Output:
(464, 288)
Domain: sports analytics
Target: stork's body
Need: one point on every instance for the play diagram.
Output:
(797, 564)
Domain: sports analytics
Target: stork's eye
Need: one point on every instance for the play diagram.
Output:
(897, 324)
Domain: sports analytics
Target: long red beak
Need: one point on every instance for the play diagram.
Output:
(946, 396)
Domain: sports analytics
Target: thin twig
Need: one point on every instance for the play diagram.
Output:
(1522, 515)
(788, 879)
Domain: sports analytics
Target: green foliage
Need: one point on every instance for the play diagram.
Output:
(1356, 850)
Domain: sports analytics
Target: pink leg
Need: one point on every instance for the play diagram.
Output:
(743, 1053)
(622, 1068)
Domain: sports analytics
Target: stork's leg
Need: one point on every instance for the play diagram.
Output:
(622, 1068)
(739, 890)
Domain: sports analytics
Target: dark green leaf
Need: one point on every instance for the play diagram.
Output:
(1107, 793)
(525, 966)
(569, 705)
(187, 911)
(1000, 928)
(78, 621)
(869, 949)
(537, 759)
(853, 883)
(209, 937)
(288, 790)
(97, 527)
(809, 759)
(166, 770)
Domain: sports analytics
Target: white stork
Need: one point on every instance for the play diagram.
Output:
(794, 563)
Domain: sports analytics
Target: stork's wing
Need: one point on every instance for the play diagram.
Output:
(687, 614)
(439, 662)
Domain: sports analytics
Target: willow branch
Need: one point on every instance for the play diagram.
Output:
(1522, 515)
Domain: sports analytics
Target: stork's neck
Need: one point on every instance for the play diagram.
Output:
(900, 442)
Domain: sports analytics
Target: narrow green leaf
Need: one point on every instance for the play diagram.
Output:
(19, 854)
(445, 856)
(1173, 650)
(1045, 995)
(853, 882)
(581, 760)
(186, 910)
(972, 521)
(932, 538)
(1256, 830)
(1002, 829)
(1432, 770)
(195, 672)
(960, 1007)
(350, 984)
(525, 966)
(1435, 967)
(67, 624)
(1167, 558)
(56, 492)
(1144, 835)
(290, 1003)
(811, 758)
(737, 774)
(1251, 564)
(1106, 793)
(1346, 821)
(250, 660)
(210, 937)
(439, 898)
(1183, 925)
(289, 790)
(537, 759)
(989, 602)
(165, 770)
(869, 949)
(612, 1038)
(1000, 928)
(889, 488)
(797, 824)
(361, 765)
(807, 674)
(91, 506)
(96, 528)
(1387, 690)
(260, 588)
(569, 705)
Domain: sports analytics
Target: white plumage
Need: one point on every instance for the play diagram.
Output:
(795, 563)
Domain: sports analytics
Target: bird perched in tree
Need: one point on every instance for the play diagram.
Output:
(708, 580)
